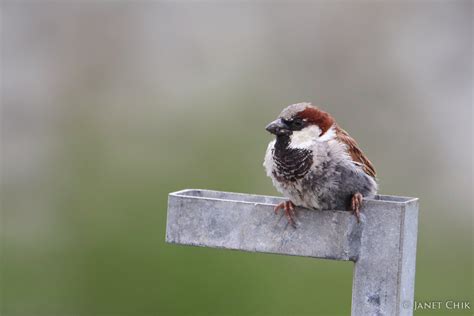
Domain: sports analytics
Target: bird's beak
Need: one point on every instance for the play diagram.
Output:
(278, 127)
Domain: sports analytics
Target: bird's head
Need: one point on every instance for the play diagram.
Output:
(303, 124)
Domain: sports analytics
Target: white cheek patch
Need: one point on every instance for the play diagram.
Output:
(304, 138)
(309, 135)
(330, 134)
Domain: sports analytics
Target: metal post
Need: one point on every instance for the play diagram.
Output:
(383, 245)
(384, 272)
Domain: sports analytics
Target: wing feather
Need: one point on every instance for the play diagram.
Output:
(354, 151)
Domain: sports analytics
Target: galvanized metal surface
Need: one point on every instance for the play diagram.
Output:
(383, 245)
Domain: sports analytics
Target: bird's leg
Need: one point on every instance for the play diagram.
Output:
(356, 204)
(289, 209)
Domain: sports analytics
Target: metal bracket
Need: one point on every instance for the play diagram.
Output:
(382, 245)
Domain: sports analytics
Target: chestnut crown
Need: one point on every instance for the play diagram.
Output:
(297, 116)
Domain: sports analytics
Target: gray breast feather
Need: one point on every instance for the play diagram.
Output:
(334, 186)
(330, 182)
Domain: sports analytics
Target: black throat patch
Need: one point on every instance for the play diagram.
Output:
(291, 163)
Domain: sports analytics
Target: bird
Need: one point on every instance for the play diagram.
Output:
(316, 164)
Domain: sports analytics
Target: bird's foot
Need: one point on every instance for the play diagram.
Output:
(289, 209)
(356, 204)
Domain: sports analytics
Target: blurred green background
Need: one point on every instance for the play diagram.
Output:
(109, 106)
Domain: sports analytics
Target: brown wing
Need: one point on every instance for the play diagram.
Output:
(353, 149)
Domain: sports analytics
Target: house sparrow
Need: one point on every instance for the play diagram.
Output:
(316, 164)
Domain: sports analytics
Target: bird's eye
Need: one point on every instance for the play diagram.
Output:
(298, 123)
(294, 123)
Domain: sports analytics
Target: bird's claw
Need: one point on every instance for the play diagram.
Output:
(289, 209)
(356, 204)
